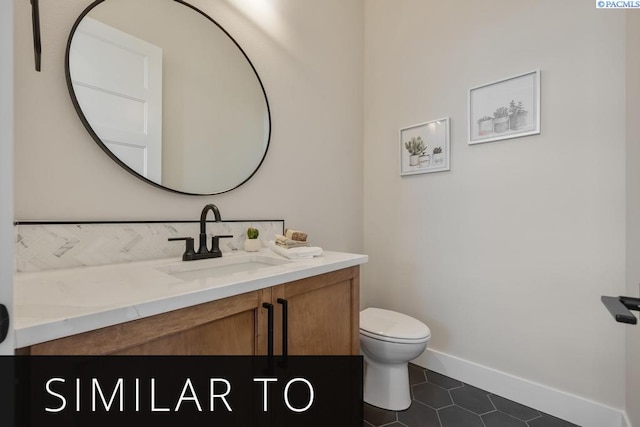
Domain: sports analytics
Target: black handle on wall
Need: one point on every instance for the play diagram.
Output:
(619, 308)
(285, 328)
(4, 322)
(35, 21)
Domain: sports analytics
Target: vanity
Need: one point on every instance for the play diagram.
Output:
(211, 307)
(238, 304)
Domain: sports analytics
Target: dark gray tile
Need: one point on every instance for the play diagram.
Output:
(432, 395)
(419, 415)
(442, 380)
(416, 375)
(548, 421)
(377, 416)
(514, 409)
(471, 407)
(500, 419)
(473, 399)
(455, 416)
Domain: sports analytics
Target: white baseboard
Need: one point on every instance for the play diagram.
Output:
(580, 411)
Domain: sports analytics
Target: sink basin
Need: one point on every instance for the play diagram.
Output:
(194, 270)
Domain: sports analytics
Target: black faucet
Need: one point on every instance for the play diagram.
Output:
(203, 252)
(203, 226)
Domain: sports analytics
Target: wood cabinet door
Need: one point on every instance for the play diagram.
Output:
(323, 314)
(231, 326)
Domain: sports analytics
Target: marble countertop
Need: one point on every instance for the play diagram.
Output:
(58, 303)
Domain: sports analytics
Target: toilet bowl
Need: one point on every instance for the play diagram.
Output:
(388, 341)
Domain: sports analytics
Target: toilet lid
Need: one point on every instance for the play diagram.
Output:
(392, 325)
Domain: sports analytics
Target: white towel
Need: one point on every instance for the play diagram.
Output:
(296, 253)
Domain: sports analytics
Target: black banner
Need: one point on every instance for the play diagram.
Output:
(182, 391)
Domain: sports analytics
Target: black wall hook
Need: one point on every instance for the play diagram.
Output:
(619, 308)
(37, 45)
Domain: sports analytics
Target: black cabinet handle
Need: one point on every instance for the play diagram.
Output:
(270, 363)
(285, 328)
(269, 308)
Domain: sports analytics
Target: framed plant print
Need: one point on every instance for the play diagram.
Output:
(504, 109)
(425, 147)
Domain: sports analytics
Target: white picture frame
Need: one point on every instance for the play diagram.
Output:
(434, 153)
(504, 109)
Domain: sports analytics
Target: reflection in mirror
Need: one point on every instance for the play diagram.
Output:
(169, 94)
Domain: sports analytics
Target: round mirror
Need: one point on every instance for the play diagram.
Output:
(168, 94)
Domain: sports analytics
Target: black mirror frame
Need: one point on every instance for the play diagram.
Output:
(104, 148)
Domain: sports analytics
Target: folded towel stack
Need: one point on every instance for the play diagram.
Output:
(292, 239)
(296, 253)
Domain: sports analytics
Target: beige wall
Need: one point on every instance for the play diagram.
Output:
(633, 210)
(312, 176)
(506, 256)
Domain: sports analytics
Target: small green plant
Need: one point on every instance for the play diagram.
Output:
(501, 112)
(252, 233)
(437, 150)
(415, 146)
(516, 109)
(484, 119)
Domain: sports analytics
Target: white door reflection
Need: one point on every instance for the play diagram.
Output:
(118, 82)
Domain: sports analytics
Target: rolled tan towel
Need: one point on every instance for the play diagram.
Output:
(295, 235)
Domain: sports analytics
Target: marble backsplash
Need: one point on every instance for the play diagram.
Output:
(47, 246)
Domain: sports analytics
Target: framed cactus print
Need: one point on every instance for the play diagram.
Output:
(425, 147)
(507, 108)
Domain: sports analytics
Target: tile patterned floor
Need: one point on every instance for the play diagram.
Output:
(440, 401)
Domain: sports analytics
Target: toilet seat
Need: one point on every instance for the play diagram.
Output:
(391, 326)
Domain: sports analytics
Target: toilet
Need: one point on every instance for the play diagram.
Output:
(388, 341)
